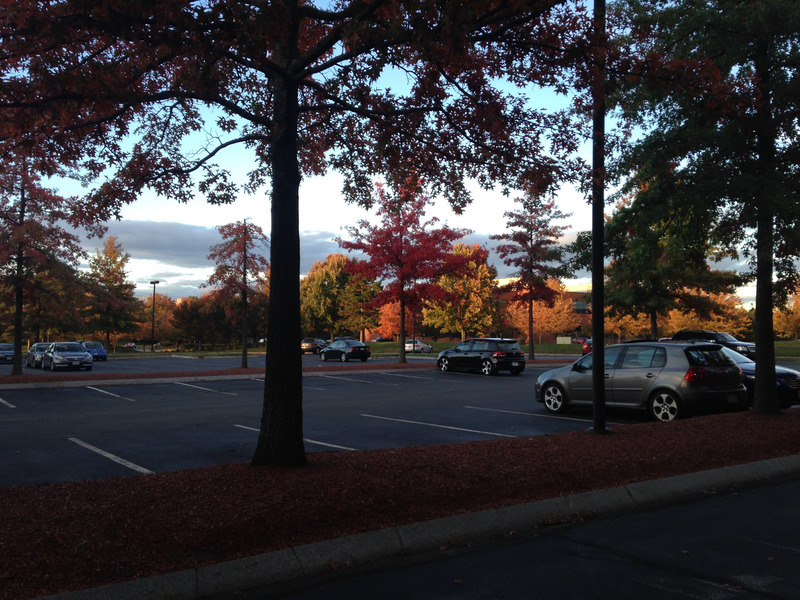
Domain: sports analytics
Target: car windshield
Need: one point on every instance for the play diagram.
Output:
(71, 347)
(736, 357)
(726, 337)
(709, 356)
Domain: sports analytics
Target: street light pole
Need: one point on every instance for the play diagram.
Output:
(153, 330)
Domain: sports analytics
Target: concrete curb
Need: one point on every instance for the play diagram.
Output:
(318, 558)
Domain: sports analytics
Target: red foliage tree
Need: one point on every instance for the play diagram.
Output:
(306, 86)
(406, 253)
(238, 263)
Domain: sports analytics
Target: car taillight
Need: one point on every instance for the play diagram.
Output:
(696, 374)
(366, 348)
(498, 354)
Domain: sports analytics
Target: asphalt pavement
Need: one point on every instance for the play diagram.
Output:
(725, 533)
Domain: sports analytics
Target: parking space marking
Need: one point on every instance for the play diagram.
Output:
(439, 426)
(113, 457)
(205, 389)
(89, 387)
(356, 380)
(8, 404)
(530, 414)
(308, 441)
(410, 376)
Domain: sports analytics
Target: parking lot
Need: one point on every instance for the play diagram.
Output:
(98, 431)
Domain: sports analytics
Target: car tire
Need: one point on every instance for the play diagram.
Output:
(343, 357)
(53, 366)
(664, 406)
(429, 350)
(444, 364)
(515, 371)
(363, 359)
(323, 357)
(554, 398)
(487, 367)
(89, 368)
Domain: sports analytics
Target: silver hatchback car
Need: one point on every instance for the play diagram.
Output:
(668, 379)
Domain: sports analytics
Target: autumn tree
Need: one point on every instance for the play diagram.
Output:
(32, 232)
(159, 306)
(467, 302)
(240, 262)
(787, 319)
(335, 298)
(156, 93)
(405, 253)
(322, 293)
(717, 106)
(531, 245)
(660, 251)
(113, 305)
(729, 315)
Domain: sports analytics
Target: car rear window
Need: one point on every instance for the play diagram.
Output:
(508, 347)
(708, 356)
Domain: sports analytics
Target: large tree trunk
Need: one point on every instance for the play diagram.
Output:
(765, 400)
(280, 441)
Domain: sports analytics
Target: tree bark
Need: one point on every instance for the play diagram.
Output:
(280, 441)
(765, 400)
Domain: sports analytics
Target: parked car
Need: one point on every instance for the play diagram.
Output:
(7, 353)
(66, 355)
(33, 358)
(415, 345)
(668, 379)
(788, 380)
(313, 345)
(707, 335)
(380, 338)
(96, 349)
(344, 350)
(587, 346)
(487, 355)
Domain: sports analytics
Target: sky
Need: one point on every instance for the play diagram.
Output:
(169, 242)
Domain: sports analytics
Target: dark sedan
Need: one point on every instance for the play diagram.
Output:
(487, 355)
(788, 380)
(345, 350)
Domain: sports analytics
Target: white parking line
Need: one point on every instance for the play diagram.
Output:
(304, 439)
(8, 404)
(410, 376)
(355, 380)
(113, 457)
(530, 414)
(205, 389)
(439, 426)
(89, 387)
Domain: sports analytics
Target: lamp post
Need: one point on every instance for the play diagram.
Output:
(153, 330)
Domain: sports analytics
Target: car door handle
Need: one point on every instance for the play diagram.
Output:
(608, 375)
(650, 375)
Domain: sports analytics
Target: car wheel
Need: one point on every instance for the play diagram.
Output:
(323, 356)
(554, 398)
(487, 367)
(444, 365)
(53, 366)
(363, 359)
(343, 357)
(664, 406)
(89, 368)
(429, 350)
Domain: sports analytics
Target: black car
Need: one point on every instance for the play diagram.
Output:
(313, 345)
(725, 339)
(487, 355)
(344, 350)
(788, 380)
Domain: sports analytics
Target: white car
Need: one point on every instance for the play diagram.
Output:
(418, 346)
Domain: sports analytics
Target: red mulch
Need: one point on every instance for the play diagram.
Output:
(67, 536)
